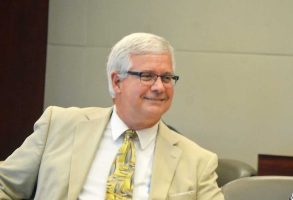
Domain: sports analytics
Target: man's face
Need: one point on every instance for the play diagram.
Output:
(138, 102)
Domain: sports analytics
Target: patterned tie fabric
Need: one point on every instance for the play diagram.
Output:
(120, 180)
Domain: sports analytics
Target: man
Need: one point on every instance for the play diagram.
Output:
(72, 152)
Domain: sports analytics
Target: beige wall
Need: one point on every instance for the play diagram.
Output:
(234, 58)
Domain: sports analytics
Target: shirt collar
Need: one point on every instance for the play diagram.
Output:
(145, 136)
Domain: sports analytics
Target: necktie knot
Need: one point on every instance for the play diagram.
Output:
(130, 134)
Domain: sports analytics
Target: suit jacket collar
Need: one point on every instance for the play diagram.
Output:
(166, 158)
(87, 136)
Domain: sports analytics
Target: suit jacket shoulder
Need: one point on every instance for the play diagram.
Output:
(58, 153)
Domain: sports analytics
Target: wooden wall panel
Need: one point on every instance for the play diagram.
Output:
(23, 44)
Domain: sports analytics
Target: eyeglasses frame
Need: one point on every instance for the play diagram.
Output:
(139, 74)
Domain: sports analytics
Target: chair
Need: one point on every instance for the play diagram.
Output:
(259, 187)
(229, 170)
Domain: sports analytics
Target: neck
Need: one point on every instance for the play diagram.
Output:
(140, 126)
(136, 122)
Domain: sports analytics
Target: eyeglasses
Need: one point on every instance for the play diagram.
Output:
(149, 78)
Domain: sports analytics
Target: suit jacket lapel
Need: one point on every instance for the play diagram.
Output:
(86, 140)
(166, 158)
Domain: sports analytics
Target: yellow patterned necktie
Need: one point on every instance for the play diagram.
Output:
(120, 180)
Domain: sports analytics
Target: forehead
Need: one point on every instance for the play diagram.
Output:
(152, 62)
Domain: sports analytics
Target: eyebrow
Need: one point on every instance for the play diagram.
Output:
(164, 73)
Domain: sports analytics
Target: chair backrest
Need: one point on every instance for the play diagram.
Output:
(259, 187)
(229, 170)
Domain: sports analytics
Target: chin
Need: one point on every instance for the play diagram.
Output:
(156, 111)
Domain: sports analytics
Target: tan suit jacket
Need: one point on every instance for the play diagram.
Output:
(53, 162)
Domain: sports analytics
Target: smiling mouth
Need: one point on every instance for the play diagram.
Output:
(156, 99)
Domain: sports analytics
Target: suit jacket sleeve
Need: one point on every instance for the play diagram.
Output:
(207, 185)
(19, 172)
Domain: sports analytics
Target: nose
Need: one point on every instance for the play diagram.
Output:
(158, 85)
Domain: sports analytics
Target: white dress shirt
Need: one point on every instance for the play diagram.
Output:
(95, 184)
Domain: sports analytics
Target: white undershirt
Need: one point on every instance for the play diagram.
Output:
(95, 185)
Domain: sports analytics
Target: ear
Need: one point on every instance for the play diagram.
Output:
(116, 82)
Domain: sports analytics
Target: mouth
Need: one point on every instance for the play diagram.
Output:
(156, 99)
